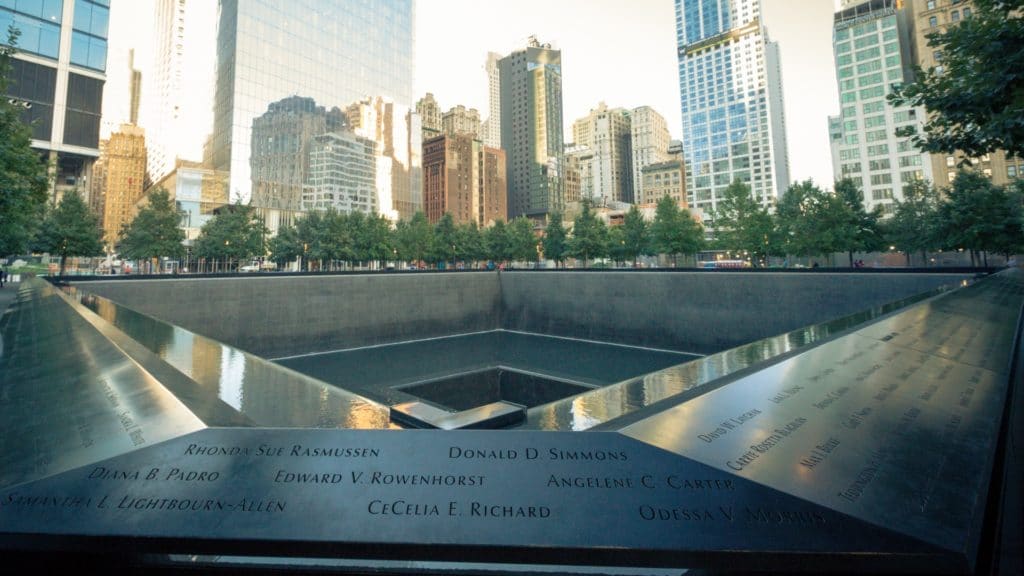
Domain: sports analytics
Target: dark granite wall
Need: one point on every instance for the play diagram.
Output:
(694, 312)
(684, 311)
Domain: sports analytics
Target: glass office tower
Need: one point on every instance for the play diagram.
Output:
(335, 52)
(57, 77)
(730, 83)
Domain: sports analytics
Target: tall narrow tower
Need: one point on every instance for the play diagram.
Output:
(531, 129)
(492, 126)
(730, 85)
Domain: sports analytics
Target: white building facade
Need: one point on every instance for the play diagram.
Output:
(731, 92)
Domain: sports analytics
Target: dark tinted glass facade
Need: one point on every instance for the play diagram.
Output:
(34, 85)
(85, 101)
(89, 35)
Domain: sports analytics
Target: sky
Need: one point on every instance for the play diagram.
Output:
(624, 54)
(620, 52)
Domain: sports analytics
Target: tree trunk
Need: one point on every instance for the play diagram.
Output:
(675, 260)
(924, 258)
(63, 261)
(850, 254)
(908, 258)
(984, 255)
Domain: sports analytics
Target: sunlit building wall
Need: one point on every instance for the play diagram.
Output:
(607, 132)
(430, 113)
(464, 178)
(531, 129)
(334, 51)
(57, 76)
(460, 120)
(178, 87)
(397, 133)
(124, 167)
(343, 174)
(492, 125)
(731, 91)
(650, 139)
(872, 47)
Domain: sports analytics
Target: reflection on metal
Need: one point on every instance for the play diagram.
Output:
(242, 385)
(489, 416)
(895, 424)
(69, 396)
(625, 400)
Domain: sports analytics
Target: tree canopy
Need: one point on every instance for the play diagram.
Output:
(23, 177)
(154, 232)
(674, 231)
(70, 229)
(975, 96)
(234, 234)
(743, 224)
(555, 239)
(913, 223)
(589, 235)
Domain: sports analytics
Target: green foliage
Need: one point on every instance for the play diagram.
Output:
(446, 240)
(154, 232)
(865, 233)
(636, 236)
(980, 216)
(23, 178)
(235, 234)
(71, 229)
(674, 231)
(976, 103)
(286, 246)
(743, 224)
(522, 242)
(912, 227)
(589, 235)
(554, 244)
(497, 243)
(414, 239)
(469, 243)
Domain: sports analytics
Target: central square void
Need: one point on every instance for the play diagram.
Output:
(469, 370)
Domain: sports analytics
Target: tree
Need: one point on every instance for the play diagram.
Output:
(375, 238)
(23, 177)
(522, 241)
(234, 234)
(979, 216)
(496, 242)
(866, 234)
(636, 237)
(912, 226)
(674, 230)
(445, 239)
(414, 239)
(470, 242)
(154, 232)
(286, 246)
(589, 235)
(742, 224)
(71, 229)
(812, 221)
(975, 100)
(554, 242)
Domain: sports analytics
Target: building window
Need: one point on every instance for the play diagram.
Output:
(931, 5)
(1011, 171)
(933, 21)
(955, 15)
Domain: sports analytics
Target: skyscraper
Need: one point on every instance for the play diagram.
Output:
(531, 129)
(333, 51)
(492, 126)
(178, 87)
(650, 140)
(872, 45)
(731, 90)
(460, 120)
(60, 83)
(607, 133)
(124, 170)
